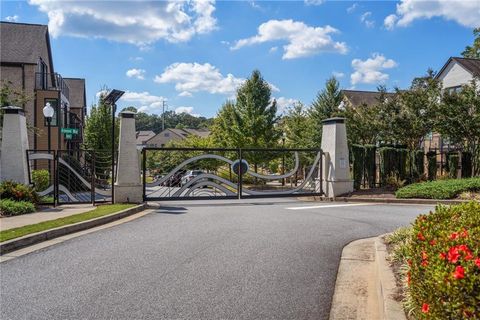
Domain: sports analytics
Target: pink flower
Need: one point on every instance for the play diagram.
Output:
(425, 308)
(420, 237)
(477, 262)
(454, 236)
(459, 273)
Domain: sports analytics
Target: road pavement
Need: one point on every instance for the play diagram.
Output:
(269, 259)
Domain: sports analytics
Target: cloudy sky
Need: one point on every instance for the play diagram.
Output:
(194, 54)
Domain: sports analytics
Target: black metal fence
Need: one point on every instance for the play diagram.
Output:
(214, 173)
(71, 176)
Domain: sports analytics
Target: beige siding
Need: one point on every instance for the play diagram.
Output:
(454, 75)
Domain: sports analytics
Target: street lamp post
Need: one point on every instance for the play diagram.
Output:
(48, 113)
(111, 99)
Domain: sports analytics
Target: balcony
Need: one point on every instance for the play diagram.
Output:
(51, 81)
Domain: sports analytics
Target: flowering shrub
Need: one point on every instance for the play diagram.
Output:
(443, 263)
(441, 189)
(17, 192)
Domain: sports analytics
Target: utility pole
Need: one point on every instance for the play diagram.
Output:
(163, 115)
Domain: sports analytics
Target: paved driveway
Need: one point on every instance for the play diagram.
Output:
(268, 260)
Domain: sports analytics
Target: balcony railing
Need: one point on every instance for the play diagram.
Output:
(49, 81)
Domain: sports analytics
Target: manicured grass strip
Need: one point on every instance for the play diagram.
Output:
(439, 189)
(46, 225)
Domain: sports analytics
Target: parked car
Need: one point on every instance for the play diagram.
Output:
(190, 175)
(175, 180)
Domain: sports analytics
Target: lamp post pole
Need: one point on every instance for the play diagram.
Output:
(48, 113)
(114, 106)
(283, 159)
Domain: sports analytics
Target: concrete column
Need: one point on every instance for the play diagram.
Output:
(128, 187)
(13, 162)
(336, 169)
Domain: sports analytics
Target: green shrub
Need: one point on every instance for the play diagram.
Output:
(40, 179)
(466, 164)
(370, 165)
(358, 158)
(10, 207)
(442, 263)
(18, 192)
(417, 165)
(432, 165)
(439, 189)
(453, 165)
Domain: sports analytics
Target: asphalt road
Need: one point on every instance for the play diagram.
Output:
(243, 261)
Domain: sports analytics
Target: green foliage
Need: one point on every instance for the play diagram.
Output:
(9, 207)
(298, 127)
(473, 51)
(358, 157)
(453, 165)
(440, 189)
(432, 165)
(458, 120)
(17, 192)
(466, 164)
(40, 179)
(325, 106)
(363, 123)
(441, 258)
(417, 164)
(394, 182)
(370, 165)
(393, 162)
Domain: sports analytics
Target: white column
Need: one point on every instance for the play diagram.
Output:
(13, 162)
(128, 187)
(336, 169)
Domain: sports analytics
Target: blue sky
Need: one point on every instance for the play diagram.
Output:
(195, 53)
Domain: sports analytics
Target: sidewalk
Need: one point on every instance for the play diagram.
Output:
(43, 215)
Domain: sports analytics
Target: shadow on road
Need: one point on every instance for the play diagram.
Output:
(171, 210)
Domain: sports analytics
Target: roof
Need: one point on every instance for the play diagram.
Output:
(24, 43)
(359, 98)
(472, 65)
(144, 136)
(77, 95)
(184, 133)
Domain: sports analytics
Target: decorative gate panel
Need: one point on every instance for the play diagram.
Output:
(193, 173)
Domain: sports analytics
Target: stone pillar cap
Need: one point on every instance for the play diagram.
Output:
(13, 110)
(333, 120)
(127, 114)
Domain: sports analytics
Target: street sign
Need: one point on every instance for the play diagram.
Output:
(69, 131)
(68, 136)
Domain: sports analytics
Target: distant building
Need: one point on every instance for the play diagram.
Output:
(163, 138)
(26, 63)
(358, 98)
(458, 72)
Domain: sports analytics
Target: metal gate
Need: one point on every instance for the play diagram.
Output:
(71, 176)
(212, 173)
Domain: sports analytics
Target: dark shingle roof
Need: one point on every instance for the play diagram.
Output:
(76, 92)
(470, 64)
(359, 98)
(24, 43)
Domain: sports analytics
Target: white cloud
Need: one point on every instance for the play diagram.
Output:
(131, 22)
(144, 101)
(188, 110)
(338, 75)
(196, 77)
(136, 73)
(314, 2)
(284, 103)
(273, 49)
(370, 70)
(303, 40)
(365, 18)
(352, 8)
(464, 12)
(136, 59)
(13, 18)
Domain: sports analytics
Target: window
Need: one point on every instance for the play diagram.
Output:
(54, 104)
(42, 75)
(455, 89)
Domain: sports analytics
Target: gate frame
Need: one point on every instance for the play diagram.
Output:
(239, 192)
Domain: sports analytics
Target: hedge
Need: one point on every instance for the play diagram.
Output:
(370, 165)
(453, 165)
(10, 207)
(439, 189)
(358, 157)
(432, 165)
(466, 164)
(442, 263)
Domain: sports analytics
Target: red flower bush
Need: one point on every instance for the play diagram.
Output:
(442, 263)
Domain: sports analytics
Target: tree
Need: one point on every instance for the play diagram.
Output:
(325, 106)
(473, 51)
(459, 120)
(297, 126)
(363, 123)
(250, 122)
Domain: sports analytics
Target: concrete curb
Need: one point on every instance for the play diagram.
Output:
(31, 239)
(386, 285)
(400, 201)
(365, 283)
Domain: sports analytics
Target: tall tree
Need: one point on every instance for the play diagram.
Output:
(325, 106)
(252, 120)
(297, 126)
(473, 51)
(459, 120)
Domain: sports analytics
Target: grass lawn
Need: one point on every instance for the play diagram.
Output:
(439, 189)
(42, 226)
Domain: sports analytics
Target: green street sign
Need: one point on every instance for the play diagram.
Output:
(68, 136)
(69, 131)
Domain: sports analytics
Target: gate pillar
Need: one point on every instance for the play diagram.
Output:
(336, 169)
(14, 145)
(128, 187)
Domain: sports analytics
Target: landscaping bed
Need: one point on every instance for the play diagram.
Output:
(437, 263)
(439, 189)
